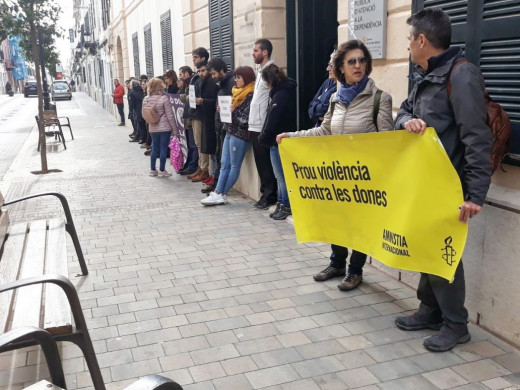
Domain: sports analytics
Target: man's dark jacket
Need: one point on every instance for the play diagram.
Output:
(225, 87)
(208, 93)
(460, 120)
(281, 112)
(135, 98)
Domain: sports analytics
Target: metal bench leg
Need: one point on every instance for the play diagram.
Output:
(62, 136)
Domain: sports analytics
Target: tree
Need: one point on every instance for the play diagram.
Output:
(25, 18)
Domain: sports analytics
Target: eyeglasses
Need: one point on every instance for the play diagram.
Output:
(353, 61)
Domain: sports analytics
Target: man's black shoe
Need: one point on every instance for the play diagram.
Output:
(418, 321)
(185, 172)
(262, 204)
(446, 339)
(134, 140)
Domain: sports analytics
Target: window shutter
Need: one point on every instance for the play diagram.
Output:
(148, 49)
(166, 38)
(489, 31)
(221, 31)
(135, 48)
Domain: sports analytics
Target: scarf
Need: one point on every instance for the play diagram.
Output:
(240, 94)
(347, 93)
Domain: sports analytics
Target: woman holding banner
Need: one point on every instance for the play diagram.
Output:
(236, 141)
(357, 107)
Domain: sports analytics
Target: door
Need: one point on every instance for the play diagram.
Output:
(312, 35)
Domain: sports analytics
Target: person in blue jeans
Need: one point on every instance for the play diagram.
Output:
(281, 116)
(162, 130)
(236, 141)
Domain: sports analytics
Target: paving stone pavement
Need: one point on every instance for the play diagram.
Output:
(221, 297)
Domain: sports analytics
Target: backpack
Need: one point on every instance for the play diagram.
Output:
(375, 109)
(497, 120)
(150, 114)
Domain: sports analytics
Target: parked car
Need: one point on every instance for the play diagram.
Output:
(30, 88)
(61, 91)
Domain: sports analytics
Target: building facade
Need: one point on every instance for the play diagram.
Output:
(304, 33)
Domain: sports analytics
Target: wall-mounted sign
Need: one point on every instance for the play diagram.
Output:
(367, 22)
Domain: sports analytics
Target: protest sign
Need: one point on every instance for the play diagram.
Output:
(224, 102)
(392, 195)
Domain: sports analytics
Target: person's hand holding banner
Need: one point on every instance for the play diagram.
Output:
(392, 195)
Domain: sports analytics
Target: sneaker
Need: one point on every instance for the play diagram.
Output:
(214, 199)
(329, 273)
(121, 124)
(144, 146)
(278, 205)
(283, 213)
(133, 140)
(262, 204)
(132, 135)
(164, 174)
(446, 339)
(419, 321)
(153, 173)
(350, 282)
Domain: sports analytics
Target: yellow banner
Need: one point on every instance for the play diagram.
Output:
(392, 195)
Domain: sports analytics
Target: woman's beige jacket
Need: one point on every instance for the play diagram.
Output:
(356, 118)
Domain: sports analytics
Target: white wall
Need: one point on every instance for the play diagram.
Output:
(139, 14)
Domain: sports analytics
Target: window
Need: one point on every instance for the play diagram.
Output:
(148, 51)
(221, 31)
(489, 32)
(135, 48)
(166, 39)
(105, 10)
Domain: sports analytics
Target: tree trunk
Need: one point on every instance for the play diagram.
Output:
(41, 127)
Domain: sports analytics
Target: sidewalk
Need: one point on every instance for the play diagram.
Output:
(220, 297)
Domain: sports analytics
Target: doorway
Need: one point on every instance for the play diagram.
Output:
(312, 35)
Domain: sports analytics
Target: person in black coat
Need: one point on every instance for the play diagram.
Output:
(170, 79)
(136, 97)
(281, 117)
(208, 103)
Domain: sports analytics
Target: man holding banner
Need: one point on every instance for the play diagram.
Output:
(459, 119)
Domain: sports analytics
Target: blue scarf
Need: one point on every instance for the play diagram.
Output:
(347, 93)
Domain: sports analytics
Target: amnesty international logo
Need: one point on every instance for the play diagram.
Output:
(448, 253)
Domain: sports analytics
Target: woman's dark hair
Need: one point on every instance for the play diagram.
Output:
(343, 49)
(434, 24)
(171, 75)
(273, 75)
(186, 69)
(246, 72)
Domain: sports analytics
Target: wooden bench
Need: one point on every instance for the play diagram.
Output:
(34, 288)
(51, 119)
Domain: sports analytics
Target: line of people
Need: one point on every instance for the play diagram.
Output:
(263, 113)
